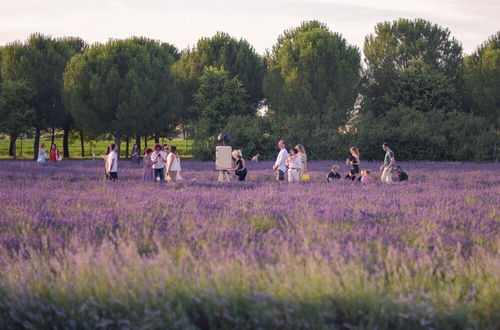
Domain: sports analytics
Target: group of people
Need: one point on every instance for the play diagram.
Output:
(294, 164)
(54, 154)
(161, 164)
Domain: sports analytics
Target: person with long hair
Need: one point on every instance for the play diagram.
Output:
(173, 165)
(55, 155)
(389, 163)
(353, 163)
(104, 156)
(134, 155)
(147, 163)
(303, 157)
(42, 154)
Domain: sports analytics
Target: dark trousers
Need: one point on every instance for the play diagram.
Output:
(159, 172)
(241, 174)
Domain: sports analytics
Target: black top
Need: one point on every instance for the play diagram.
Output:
(354, 165)
(333, 176)
(239, 165)
(403, 176)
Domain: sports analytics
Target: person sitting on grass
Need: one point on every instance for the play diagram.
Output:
(402, 176)
(334, 174)
(365, 176)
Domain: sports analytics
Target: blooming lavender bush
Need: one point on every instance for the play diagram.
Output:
(79, 252)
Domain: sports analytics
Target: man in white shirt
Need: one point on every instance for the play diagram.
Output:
(280, 163)
(158, 159)
(112, 163)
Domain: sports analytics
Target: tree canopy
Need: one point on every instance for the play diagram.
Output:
(123, 87)
(395, 47)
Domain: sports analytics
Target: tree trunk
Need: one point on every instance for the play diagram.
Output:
(36, 143)
(117, 142)
(65, 143)
(157, 138)
(53, 135)
(82, 143)
(145, 141)
(126, 147)
(138, 142)
(12, 145)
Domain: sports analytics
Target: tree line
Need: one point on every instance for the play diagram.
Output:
(414, 88)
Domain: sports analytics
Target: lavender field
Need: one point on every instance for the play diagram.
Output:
(81, 253)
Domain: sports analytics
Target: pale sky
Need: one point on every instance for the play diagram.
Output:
(183, 22)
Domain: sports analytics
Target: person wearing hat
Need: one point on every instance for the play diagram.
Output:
(240, 168)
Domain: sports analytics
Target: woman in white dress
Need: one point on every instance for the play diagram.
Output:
(303, 157)
(42, 154)
(173, 165)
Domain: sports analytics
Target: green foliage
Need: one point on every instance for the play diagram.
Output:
(482, 80)
(237, 57)
(217, 98)
(16, 108)
(253, 133)
(435, 135)
(421, 88)
(395, 47)
(123, 87)
(312, 72)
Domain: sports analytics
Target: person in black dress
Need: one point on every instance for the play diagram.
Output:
(353, 163)
(240, 168)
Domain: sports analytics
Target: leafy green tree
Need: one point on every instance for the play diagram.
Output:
(218, 97)
(40, 61)
(395, 46)
(237, 57)
(312, 73)
(416, 135)
(71, 46)
(420, 88)
(124, 87)
(482, 80)
(16, 110)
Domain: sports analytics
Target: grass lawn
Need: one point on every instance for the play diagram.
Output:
(25, 147)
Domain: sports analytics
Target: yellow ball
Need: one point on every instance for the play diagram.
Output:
(306, 177)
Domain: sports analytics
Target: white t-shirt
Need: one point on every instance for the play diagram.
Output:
(176, 162)
(109, 159)
(160, 161)
(281, 160)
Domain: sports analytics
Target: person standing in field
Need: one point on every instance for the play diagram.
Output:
(303, 157)
(42, 154)
(158, 161)
(294, 165)
(105, 157)
(55, 155)
(147, 163)
(280, 163)
(112, 163)
(134, 155)
(166, 149)
(389, 162)
(173, 165)
(354, 163)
